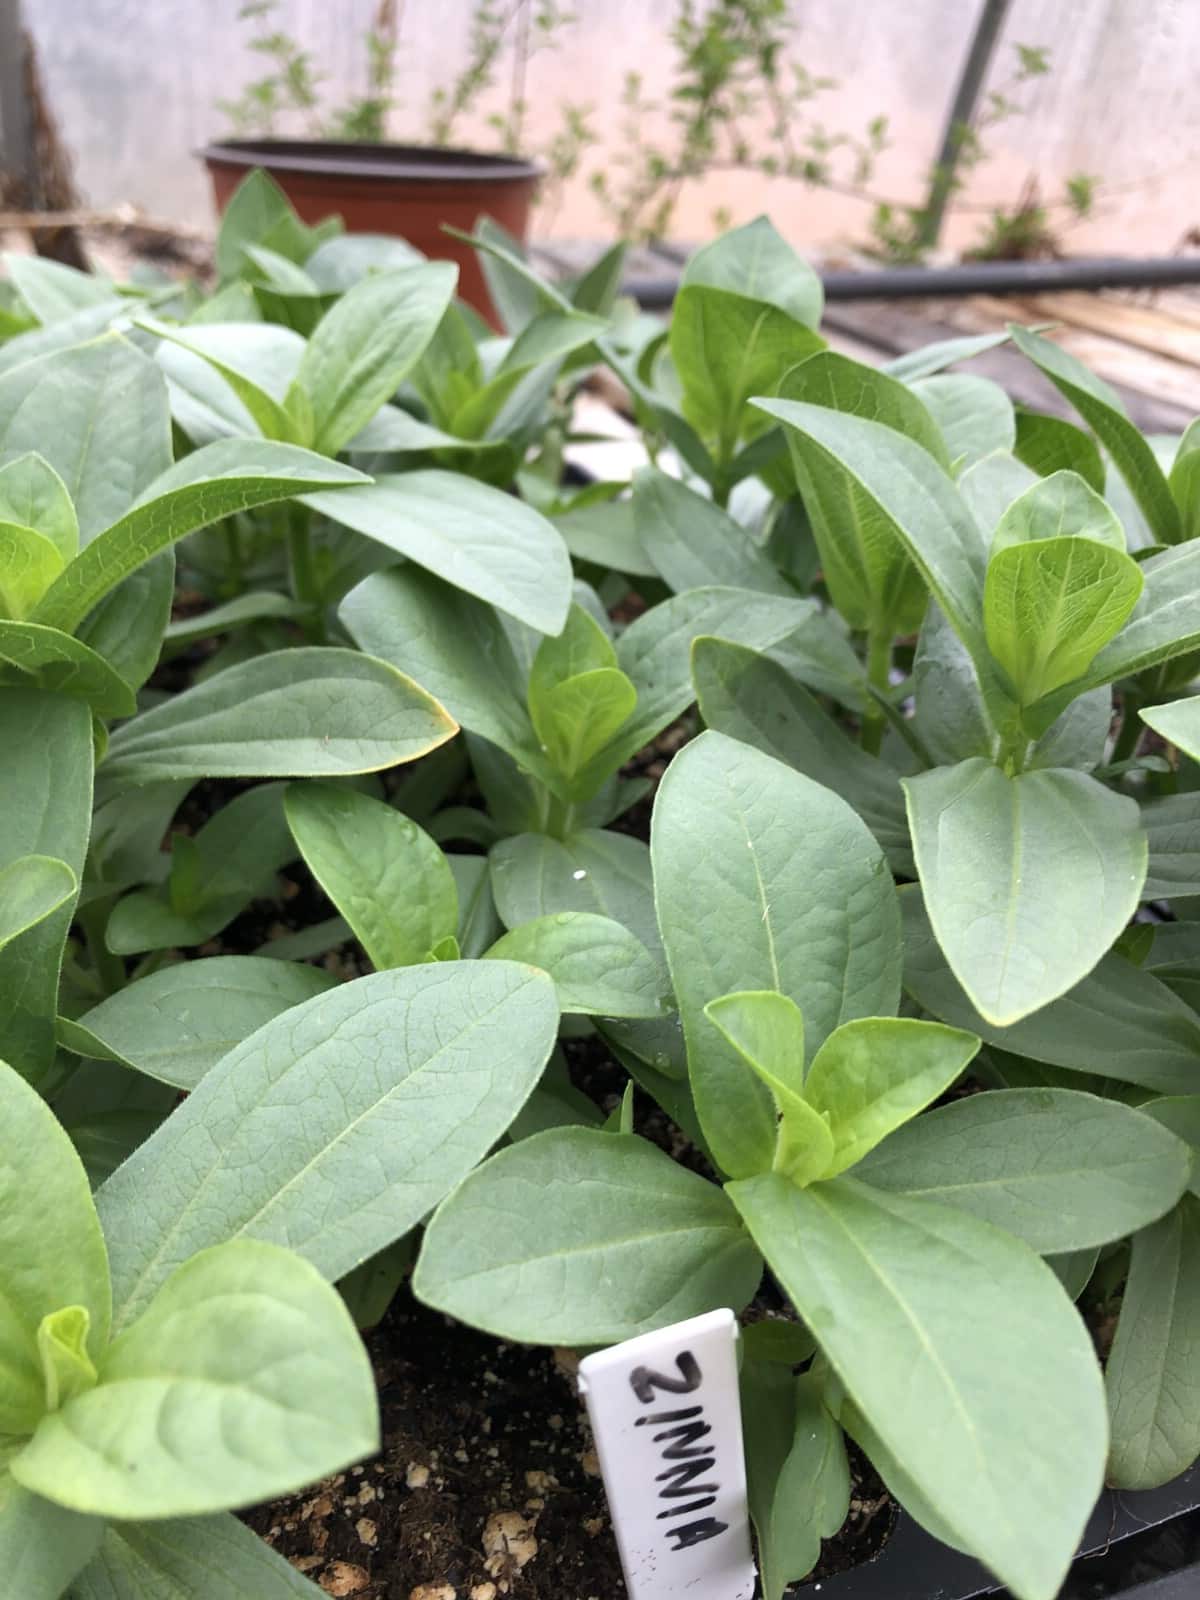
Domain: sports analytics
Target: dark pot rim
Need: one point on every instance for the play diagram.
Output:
(408, 163)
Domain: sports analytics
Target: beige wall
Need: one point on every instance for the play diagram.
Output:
(134, 82)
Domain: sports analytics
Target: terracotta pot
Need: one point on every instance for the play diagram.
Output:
(405, 190)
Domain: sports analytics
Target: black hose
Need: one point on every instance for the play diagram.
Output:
(977, 277)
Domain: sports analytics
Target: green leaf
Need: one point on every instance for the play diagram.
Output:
(407, 1079)
(1181, 1114)
(929, 358)
(55, 662)
(168, 1559)
(247, 608)
(549, 337)
(1178, 723)
(798, 1476)
(767, 1031)
(339, 263)
(757, 262)
(692, 543)
(258, 362)
(727, 347)
(751, 698)
(43, 1546)
(98, 414)
(46, 803)
(53, 1250)
(1119, 1022)
(974, 415)
(1049, 444)
(1184, 480)
(384, 874)
(979, 1378)
(52, 290)
(593, 870)
(176, 1024)
(1027, 879)
(469, 534)
(29, 564)
(1165, 622)
(605, 1237)
(1101, 409)
(34, 496)
(31, 887)
(1062, 1170)
(127, 628)
(898, 493)
(598, 966)
(243, 1379)
(364, 348)
(213, 482)
(873, 1074)
(258, 210)
(1153, 1376)
(294, 713)
(764, 880)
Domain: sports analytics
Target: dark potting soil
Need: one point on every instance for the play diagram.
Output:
(487, 1484)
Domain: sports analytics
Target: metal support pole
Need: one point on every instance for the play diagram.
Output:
(966, 98)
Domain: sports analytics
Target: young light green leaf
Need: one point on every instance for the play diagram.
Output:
(29, 564)
(364, 348)
(34, 496)
(798, 1476)
(605, 1237)
(767, 1031)
(1152, 1375)
(1119, 1022)
(46, 803)
(1165, 622)
(1062, 1170)
(1101, 409)
(162, 1560)
(764, 880)
(294, 713)
(1051, 605)
(407, 1079)
(1027, 879)
(469, 534)
(243, 1379)
(757, 262)
(33, 654)
(981, 1381)
(727, 347)
(384, 874)
(175, 1024)
(213, 482)
(53, 1249)
(31, 887)
(598, 967)
(874, 1074)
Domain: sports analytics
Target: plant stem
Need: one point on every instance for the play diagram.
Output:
(561, 819)
(305, 587)
(879, 666)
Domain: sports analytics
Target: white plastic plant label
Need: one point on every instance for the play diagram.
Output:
(668, 1424)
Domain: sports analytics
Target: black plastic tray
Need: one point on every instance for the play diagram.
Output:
(1143, 1546)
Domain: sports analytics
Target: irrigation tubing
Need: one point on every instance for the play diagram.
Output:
(983, 277)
